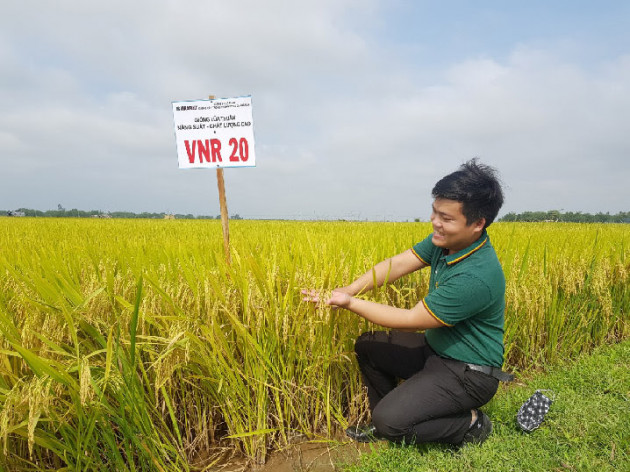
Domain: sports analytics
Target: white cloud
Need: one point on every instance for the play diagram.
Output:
(345, 124)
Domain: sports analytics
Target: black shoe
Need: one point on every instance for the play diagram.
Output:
(479, 431)
(366, 433)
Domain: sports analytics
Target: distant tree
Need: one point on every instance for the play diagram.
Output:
(553, 215)
(569, 217)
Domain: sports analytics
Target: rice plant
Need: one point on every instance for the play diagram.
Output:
(132, 345)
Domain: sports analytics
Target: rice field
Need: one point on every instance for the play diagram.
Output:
(131, 345)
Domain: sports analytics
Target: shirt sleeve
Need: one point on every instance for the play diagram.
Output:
(424, 249)
(457, 299)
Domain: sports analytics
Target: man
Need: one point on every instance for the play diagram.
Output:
(454, 366)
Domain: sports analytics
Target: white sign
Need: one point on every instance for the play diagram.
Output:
(214, 133)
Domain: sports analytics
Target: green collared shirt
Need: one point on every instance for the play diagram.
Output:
(467, 295)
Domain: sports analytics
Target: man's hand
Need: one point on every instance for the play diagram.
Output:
(416, 318)
(340, 297)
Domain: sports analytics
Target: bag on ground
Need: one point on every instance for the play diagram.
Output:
(533, 411)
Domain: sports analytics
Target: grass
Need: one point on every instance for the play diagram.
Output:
(586, 429)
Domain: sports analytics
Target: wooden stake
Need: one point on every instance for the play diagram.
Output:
(224, 212)
(224, 215)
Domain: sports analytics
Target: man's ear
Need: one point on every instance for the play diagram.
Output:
(479, 225)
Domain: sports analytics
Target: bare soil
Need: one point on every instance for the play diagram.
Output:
(304, 457)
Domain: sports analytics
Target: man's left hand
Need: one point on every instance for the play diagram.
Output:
(338, 298)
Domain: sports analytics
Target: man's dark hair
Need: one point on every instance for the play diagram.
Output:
(477, 187)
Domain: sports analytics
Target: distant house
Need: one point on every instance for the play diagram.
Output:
(102, 215)
(169, 217)
(15, 213)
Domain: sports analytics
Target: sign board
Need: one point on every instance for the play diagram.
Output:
(214, 133)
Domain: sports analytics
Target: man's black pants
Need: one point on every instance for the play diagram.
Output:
(434, 402)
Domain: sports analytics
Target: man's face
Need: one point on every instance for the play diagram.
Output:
(450, 230)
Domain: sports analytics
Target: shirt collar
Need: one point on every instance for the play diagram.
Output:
(464, 253)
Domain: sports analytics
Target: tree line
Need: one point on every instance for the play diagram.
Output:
(527, 216)
(568, 217)
(76, 213)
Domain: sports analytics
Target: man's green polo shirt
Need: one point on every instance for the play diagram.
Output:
(467, 294)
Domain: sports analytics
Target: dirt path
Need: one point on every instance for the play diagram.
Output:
(306, 457)
(315, 457)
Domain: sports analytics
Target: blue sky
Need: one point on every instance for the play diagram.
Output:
(454, 30)
(359, 106)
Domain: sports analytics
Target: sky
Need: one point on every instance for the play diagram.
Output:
(359, 106)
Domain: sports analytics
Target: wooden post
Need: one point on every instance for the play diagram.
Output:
(224, 212)
(224, 215)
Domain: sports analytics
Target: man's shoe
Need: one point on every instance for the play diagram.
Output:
(479, 431)
(365, 433)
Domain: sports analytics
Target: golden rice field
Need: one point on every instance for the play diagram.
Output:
(131, 345)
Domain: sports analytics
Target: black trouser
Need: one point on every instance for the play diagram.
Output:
(434, 402)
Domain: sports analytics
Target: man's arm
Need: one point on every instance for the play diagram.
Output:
(388, 271)
(416, 318)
